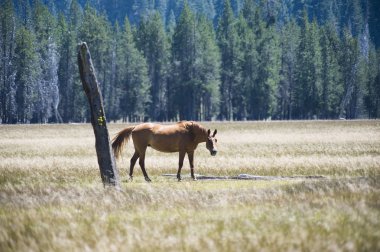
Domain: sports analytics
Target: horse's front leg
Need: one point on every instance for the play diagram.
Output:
(180, 164)
(191, 161)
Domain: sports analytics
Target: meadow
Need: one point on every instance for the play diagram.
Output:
(52, 198)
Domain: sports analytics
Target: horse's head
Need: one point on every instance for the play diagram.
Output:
(211, 142)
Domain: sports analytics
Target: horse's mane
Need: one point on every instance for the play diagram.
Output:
(195, 129)
(184, 124)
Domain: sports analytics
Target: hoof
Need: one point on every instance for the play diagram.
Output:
(147, 179)
(195, 179)
(179, 178)
(130, 179)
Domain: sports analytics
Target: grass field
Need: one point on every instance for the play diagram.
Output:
(52, 199)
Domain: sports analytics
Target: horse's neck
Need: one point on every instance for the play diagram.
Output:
(200, 134)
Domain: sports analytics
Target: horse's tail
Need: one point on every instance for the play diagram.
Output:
(120, 140)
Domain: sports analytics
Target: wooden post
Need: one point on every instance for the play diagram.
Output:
(106, 159)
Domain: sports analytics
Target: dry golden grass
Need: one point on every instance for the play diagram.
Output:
(51, 197)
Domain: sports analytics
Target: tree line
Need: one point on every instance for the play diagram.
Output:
(245, 66)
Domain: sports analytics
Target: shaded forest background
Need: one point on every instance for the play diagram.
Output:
(196, 60)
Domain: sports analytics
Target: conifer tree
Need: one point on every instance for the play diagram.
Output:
(95, 30)
(230, 76)
(269, 52)
(28, 70)
(70, 105)
(25, 13)
(308, 88)
(195, 65)
(78, 102)
(350, 67)
(183, 57)
(7, 69)
(133, 78)
(332, 79)
(152, 41)
(117, 57)
(372, 96)
(248, 64)
(290, 35)
(47, 85)
(248, 12)
(207, 70)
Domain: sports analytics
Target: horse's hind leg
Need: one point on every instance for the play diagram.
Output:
(142, 165)
(132, 164)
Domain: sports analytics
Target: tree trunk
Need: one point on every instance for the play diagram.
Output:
(106, 159)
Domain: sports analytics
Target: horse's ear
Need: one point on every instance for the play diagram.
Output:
(208, 132)
(215, 131)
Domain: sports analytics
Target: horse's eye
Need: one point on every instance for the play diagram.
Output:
(216, 140)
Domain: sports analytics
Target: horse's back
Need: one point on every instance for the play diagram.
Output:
(144, 127)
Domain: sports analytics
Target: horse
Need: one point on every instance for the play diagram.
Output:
(182, 137)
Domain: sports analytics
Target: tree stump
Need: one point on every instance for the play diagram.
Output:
(106, 159)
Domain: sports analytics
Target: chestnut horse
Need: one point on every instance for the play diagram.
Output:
(182, 137)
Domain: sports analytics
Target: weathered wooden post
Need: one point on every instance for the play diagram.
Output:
(106, 159)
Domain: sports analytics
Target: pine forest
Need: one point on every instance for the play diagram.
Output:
(199, 60)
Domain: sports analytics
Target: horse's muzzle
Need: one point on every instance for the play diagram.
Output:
(213, 152)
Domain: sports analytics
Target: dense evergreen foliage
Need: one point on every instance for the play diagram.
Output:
(196, 60)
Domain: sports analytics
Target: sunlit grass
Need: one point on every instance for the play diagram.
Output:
(52, 199)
